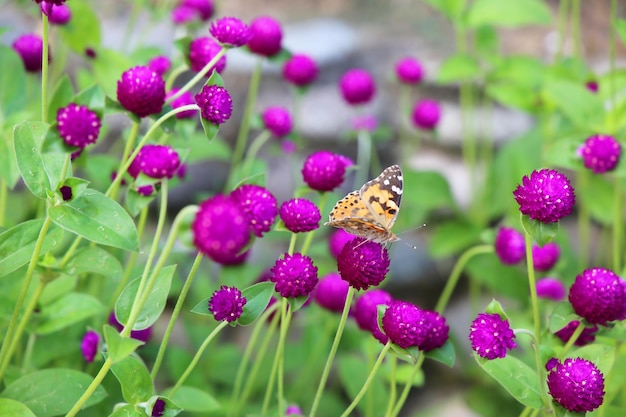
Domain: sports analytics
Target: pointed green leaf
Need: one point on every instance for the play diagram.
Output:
(83, 29)
(12, 82)
(92, 97)
(61, 97)
(194, 400)
(561, 316)
(67, 310)
(9, 171)
(97, 218)
(444, 354)
(27, 139)
(620, 25)
(517, 378)
(210, 129)
(583, 108)
(134, 379)
(257, 298)
(542, 233)
(14, 408)
(95, 260)
(119, 347)
(457, 68)
(127, 410)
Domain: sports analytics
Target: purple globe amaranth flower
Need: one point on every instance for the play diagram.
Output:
(288, 147)
(89, 345)
(545, 195)
(426, 114)
(145, 190)
(141, 91)
(592, 86)
(230, 31)
(221, 229)
(357, 86)
(204, 8)
(587, 336)
(551, 288)
(600, 153)
(300, 70)
(435, 329)
(142, 335)
(546, 256)
(510, 246)
(201, 51)
(337, 241)
(50, 2)
(293, 410)
(277, 120)
(90, 53)
(294, 275)
(183, 100)
(160, 64)
(363, 263)
(367, 123)
(366, 312)
(300, 215)
(266, 37)
(183, 14)
(227, 304)
(597, 295)
(158, 409)
(331, 292)
(409, 70)
(29, 47)
(215, 104)
(57, 15)
(259, 205)
(323, 171)
(66, 192)
(401, 323)
(155, 161)
(78, 126)
(491, 336)
(576, 384)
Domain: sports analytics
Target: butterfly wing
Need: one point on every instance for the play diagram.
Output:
(351, 206)
(382, 196)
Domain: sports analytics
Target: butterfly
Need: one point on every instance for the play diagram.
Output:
(371, 211)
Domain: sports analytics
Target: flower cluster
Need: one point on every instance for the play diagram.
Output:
(546, 196)
(491, 336)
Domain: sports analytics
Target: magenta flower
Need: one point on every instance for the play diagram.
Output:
(158, 409)
(203, 8)
(160, 64)
(597, 295)
(576, 384)
(546, 196)
(78, 126)
(300, 215)
(201, 51)
(183, 14)
(277, 120)
(592, 86)
(426, 114)
(357, 86)
(510, 246)
(551, 288)
(600, 153)
(230, 31)
(587, 336)
(29, 47)
(294, 275)
(337, 241)
(266, 37)
(183, 100)
(227, 304)
(57, 15)
(215, 104)
(89, 345)
(293, 410)
(300, 70)
(546, 256)
(366, 312)
(331, 292)
(363, 264)
(259, 205)
(401, 323)
(155, 161)
(409, 71)
(491, 336)
(435, 329)
(323, 171)
(367, 123)
(141, 91)
(142, 335)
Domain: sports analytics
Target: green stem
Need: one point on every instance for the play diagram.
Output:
(618, 223)
(562, 27)
(368, 381)
(309, 236)
(407, 386)
(584, 221)
(44, 69)
(541, 369)
(196, 358)
(392, 385)
(456, 274)
(572, 339)
(363, 157)
(255, 146)
(285, 321)
(576, 28)
(3, 201)
(197, 77)
(104, 370)
(333, 351)
(292, 243)
(533, 287)
(171, 77)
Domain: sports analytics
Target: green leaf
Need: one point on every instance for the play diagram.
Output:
(352, 374)
(134, 378)
(562, 152)
(602, 356)
(561, 316)
(14, 408)
(540, 232)
(12, 83)
(517, 378)
(9, 171)
(119, 347)
(27, 140)
(83, 29)
(598, 195)
(444, 354)
(95, 260)
(431, 190)
(457, 68)
(61, 97)
(97, 218)
(67, 310)
(583, 108)
(508, 13)
(92, 97)
(127, 410)
(404, 371)
(154, 305)
(18, 243)
(620, 26)
(194, 400)
(52, 392)
(257, 298)
(215, 79)
(452, 237)
(512, 95)
(210, 129)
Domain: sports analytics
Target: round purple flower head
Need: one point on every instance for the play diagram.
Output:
(182, 100)
(323, 171)
(300, 215)
(89, 345)
(158, 409)
(266, 36)
(426, 114)
(294, 275)
(227, 304)
(587, 336)
(551, 288)
(576, 384)
(357, 86)
(435, 330)
(592, 86)
(401, 324)
(141, 91)
(155, 161)
(546, 196)
(363, 263)
(367, 123)
(204, 8)
(491, 336)
(202, 51)
(160, 64)
(600, 153)
(409, 70)
(597, 295)
(230, 31)
(546, 256)
(300, 70)
(259, 205)
(221, 229)
(366, 312)
(510, 246)
(183, 14)
(50, 3)
(142, 335)
(337, 241)
(277, 120)
(78, 126)
(57, 15)
(293, 410)
(215, 104)
(331, 292)
(29, 47)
